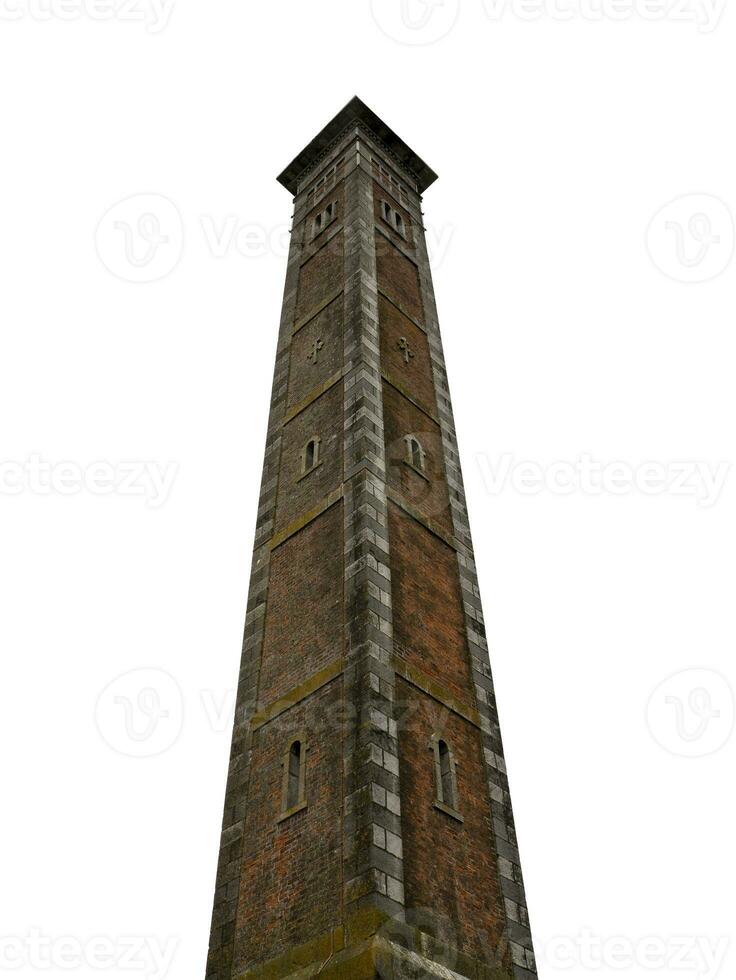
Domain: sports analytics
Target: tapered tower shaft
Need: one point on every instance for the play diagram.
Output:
(368, 829)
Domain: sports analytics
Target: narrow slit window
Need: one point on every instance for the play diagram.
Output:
(294, 786)
(387, 211)
(446, 780)
(445, 775)
(399, 223)
(293, 790)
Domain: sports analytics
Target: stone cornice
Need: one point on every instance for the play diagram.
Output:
(357, 112)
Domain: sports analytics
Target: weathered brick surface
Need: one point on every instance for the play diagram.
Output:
(428, 491)
(292, 870)
(416, 373)
(320, 276)
(303, 631)
(429, 629)
(297, 493)
(398, 278)
(449, 867)
(306, 374)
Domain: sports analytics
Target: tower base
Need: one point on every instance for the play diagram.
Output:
(396, 951)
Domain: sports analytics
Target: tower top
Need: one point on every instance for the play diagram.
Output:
(357, 111)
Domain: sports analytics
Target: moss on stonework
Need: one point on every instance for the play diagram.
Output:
(375, 958)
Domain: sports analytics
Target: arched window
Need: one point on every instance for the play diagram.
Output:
(446, 796)
(294, 779)
(414, 453)
(310, 455)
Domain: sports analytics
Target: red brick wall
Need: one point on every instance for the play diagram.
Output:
(416, 375)
(303, 631)
(298, 494)
(320, 276)
(401, 418)
(291, 884)
(429, 629)
(304, 375)
(449, 867)
(398, 277)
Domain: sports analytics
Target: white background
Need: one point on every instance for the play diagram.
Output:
(557, 142)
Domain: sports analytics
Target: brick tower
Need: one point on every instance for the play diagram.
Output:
(368, 829)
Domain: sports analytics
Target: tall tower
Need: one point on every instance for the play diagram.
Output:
(368, 829)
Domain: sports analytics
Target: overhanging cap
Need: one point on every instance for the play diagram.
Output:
(357, 111)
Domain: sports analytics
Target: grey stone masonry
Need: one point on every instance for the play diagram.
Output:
(373, 866)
